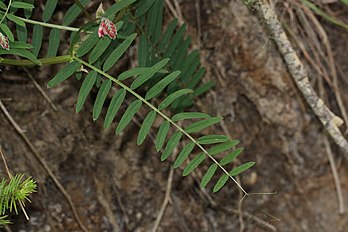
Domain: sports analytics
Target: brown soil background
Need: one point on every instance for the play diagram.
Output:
(118, 186)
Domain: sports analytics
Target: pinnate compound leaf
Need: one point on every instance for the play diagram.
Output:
(222, 147)
(231, 156)
(221, 182)
(118, 52)
(208, 175)
(49, 9)
(85, 89)
(186, 151)
(171, 144)
(66, 72)
(161, 135)
(132, 109)
(146, 126)
(101, 97)
(168, 100)
(148, 74)
(200, 125)
(189, 115)
(241, 168)
(114, 106)
(197, 160)
(161, 85)
(211, 139)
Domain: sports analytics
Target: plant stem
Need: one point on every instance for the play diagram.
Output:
(88, 15)
(50, 60)
(160, 113)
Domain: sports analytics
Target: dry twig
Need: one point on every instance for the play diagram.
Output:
(44, 165)
(335, 176)
(165, 201)
(330, 121)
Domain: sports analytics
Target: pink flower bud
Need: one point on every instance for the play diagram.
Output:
(108, 28)
(4, 42)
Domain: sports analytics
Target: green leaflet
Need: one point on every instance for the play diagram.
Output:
(119, 5)
(53, 43)
(221, 182)
(114, 106)
(197, 160)
(143, 8)
(67, 71)
(175, 41)
(168, 100)
(28, 12)
(3, 6)
(160, 86)
(148, 74)
(208, 175)
(241, 168)
(180, 53)
(222, 147)
(196, 78)
(189, 115)
(22, 53)
(132, 109)
(200, 125)
(231, 156)
(154, 21)
(49, 9)
(167, 35)
(143, 51)
(146, 126)
(15, 19)
(73, 12)
(21, 45)
(186, 151)
(171, 144)
(22, 33)
(132, 72)
(99, 101)
(7, 31)
(204, 88)
(210, 139)
(37, 39)
(88, 44)
(161, 135)
(99, 49)
(85, 89)
(22, 5)
(118, 52)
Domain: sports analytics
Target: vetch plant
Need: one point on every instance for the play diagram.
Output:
(166, 81)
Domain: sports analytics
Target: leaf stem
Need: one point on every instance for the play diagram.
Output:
(50, 25)
(160, 113)
(50, 60)
(7, 9)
